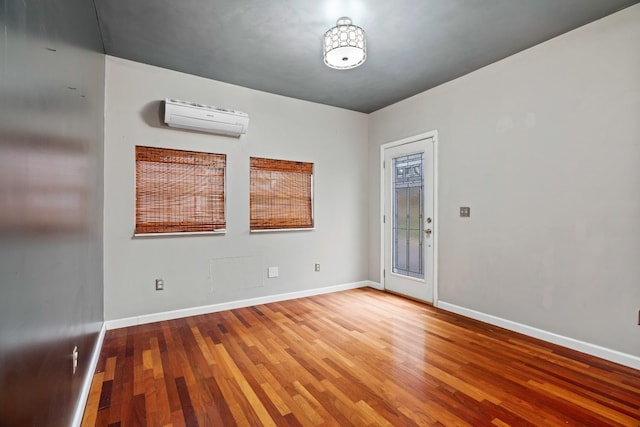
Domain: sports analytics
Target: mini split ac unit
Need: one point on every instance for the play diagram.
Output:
(204, 118)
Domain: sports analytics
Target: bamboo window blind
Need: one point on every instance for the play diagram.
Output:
(179, 191)
(281, 194)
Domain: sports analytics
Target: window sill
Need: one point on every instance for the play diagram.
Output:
(278, 230)
(185, 233)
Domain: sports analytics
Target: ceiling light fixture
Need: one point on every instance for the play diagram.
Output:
(344, 45)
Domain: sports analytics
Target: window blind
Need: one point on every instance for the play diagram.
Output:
(179, 191)
(281, 195)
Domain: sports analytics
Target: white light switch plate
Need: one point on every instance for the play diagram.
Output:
(272, 272)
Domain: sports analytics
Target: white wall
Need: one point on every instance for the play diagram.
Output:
(544, 147)
(204, 270)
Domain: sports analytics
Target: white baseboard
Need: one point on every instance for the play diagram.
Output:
(86, 383)
(231, 305)
(582, 346)
(375, 285)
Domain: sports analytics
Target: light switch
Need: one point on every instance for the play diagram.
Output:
(272, 272)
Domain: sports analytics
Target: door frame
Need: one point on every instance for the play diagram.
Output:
(433, 135)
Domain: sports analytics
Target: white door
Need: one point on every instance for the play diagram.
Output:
(408, 203)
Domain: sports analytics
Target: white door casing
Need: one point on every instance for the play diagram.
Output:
(408, 229)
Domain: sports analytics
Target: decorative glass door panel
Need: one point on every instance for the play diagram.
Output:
(408, 212)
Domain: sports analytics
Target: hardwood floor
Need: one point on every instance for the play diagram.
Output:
(359, 357)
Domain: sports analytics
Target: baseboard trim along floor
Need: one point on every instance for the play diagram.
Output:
(86, 383)
(231, 305)
(582, 346)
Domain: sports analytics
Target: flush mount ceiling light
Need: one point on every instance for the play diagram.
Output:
(344, 45)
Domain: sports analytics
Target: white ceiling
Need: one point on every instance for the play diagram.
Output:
(276, 46)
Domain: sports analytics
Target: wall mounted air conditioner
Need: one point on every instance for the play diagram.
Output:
(204, 118)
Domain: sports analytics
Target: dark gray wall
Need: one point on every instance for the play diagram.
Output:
(51, 191)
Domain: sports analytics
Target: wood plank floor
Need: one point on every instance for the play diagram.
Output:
(360, 357)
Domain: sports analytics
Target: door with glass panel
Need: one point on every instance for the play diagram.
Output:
(408, 238)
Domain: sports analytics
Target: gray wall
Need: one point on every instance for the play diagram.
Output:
(211, 269)
(51, 162)
(544, 147)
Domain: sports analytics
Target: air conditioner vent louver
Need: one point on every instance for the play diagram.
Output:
(205, 118)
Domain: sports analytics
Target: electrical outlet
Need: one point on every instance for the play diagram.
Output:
(465, 211)
(159, 285)
(74, 359)
(317, 267)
